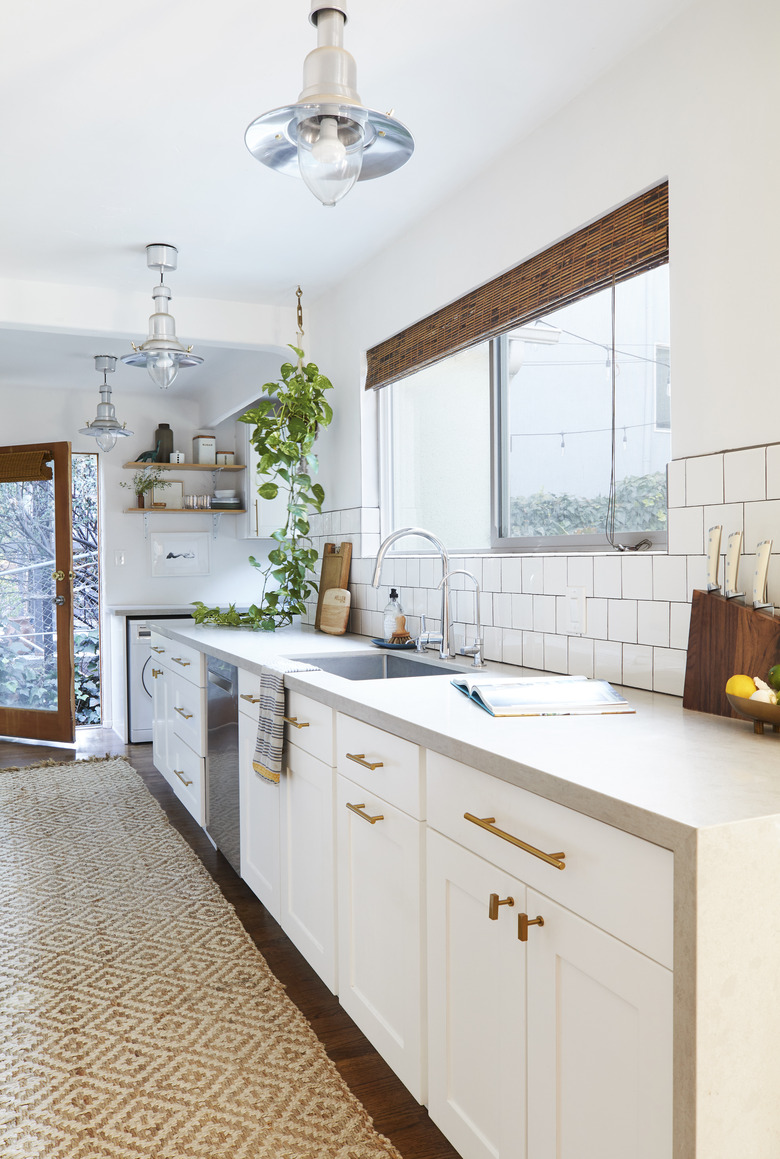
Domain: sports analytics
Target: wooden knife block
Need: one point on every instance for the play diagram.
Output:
(726, 639)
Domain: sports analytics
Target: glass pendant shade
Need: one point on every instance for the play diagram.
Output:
(105, 428)
(162, 369)
(328, 137)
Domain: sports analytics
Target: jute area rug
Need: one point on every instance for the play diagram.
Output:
(137, 1019)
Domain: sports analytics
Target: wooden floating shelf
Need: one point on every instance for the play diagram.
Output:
(189, 466)
(185, 511)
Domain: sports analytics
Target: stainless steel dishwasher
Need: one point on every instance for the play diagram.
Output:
(222, 811)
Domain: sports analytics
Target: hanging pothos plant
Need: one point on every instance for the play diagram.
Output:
(285, 427)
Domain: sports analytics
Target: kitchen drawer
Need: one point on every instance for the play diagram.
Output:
(613, 879)
(248, 693)
(310, 726)
(161, 647)
(187, 662)
(187, 777)
(187, 713)
(398, 772)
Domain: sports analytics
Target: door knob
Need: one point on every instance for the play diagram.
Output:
(58, 600)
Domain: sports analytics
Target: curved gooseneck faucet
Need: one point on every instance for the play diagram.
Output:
(444, 643)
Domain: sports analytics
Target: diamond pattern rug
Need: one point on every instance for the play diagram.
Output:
(137, 1018)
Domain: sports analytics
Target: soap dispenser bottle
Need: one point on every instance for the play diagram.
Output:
(392, 611)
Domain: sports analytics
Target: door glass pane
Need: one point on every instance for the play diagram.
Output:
(86, 587)
(28, 636)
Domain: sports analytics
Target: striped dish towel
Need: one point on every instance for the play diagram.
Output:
(267, 761)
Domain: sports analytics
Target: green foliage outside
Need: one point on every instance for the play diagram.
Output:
(285, 427)
(640, 506)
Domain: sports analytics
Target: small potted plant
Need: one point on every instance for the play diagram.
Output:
(144, 480)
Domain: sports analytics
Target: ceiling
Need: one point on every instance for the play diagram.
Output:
(124, 125)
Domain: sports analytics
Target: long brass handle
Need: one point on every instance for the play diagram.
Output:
(182, 777)
(494, 902)
(489, 823)
(184, 663)
(523, 922)
(358, 809)
(360, 759)
(158, 650)
(157, 672)
(181, 712)
(251, 699)
(293, 720)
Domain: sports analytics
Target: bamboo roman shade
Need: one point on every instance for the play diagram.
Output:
(630, 239)
(24, 466)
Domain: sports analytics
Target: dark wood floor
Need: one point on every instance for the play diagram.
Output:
(395, 1112)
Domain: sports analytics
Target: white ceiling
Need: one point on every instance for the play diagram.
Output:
(123, 124)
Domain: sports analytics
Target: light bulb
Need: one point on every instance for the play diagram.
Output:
(106, 440)
(162, 369)
(329, 167)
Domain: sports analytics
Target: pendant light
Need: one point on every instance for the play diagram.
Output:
(328, 137)
(162, 354)
(105, 427)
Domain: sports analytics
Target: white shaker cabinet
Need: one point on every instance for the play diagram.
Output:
(381, 849)
(179, 721)
(587, 1072)
(259, 807)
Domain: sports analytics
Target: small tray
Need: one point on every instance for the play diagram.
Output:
(758, 711)
(385, 644)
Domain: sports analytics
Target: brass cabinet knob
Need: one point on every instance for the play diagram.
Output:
(523, 922)
(494, 902)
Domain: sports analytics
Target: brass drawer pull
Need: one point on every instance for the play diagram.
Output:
(293, 720)
(523, 922)
(181, 712)
(495, 902)
(489, 823)
(184, 663)
(182, 777)
(358, 809)
(160, 650)
(157, 672)
(251, 699)
(360, 759)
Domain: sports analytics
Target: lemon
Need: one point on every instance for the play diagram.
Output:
(741, 686)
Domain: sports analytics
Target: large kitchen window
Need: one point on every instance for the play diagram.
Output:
(506, 426)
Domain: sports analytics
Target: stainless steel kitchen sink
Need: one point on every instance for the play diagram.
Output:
(379, 665)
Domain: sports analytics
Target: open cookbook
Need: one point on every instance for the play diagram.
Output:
(541, 695)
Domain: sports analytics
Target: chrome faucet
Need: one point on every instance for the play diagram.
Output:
(443, 638)
(474, 649)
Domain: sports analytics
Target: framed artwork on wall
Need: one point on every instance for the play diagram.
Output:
(180, 553)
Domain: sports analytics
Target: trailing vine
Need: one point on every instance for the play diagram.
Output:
(285, 428)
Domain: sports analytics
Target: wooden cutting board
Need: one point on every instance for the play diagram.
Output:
(335, 611)
(334, 573)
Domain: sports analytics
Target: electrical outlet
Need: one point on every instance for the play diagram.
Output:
(575, 611)
(119, 559)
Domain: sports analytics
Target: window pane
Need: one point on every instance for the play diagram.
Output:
(558, 408)
(440, 450)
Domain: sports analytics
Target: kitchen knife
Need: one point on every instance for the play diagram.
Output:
(713, 557)
(732, 564)
(759, 576)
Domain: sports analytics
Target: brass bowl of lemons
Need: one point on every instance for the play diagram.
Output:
(759, 711)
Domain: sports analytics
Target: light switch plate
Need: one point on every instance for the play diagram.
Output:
(575, 611)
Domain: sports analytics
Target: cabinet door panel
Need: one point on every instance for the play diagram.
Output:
(599, 1043)
(476, 1005)
(380, 935)
(308, 878)
(260, 864)
(160, 679)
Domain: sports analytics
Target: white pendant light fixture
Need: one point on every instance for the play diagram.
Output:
(162, 354)
(105, 427)
(328, 137)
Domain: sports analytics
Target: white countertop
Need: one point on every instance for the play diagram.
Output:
(660, 772)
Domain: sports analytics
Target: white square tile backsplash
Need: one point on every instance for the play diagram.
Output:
(637, 605)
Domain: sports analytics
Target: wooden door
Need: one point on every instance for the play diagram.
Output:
(599, 1043)
(37, 697)
(476, 1004)
(380, 915)
(308, 871)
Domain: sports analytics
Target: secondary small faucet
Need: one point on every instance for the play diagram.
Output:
(433, 638)
(474, 649)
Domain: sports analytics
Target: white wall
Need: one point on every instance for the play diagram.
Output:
(697, 104)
